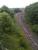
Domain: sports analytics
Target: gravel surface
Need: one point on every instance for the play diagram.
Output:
(28, 33)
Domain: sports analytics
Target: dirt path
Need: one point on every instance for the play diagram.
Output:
(25, 27)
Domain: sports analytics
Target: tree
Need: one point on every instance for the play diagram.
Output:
(11, 37)
(32, 13)
(5, 28)
(7, 10)
(32, 16)
(17, 10)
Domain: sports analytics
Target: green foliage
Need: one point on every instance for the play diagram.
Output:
(35, 28)
(5, 23)
(11, 36)
(32, 16)
(7, 10)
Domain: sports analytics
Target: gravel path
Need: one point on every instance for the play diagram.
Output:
(28, 34)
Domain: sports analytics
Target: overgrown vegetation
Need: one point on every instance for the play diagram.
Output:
(31, 15)
(11, 36)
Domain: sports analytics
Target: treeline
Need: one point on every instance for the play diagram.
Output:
(31, 16)
(11, 36)
(6, 9)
